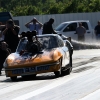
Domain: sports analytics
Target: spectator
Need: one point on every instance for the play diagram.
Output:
(80, 31)
(1, 35)
(10, 33)
(34, 24)
(97, 31)
(4, 52)
(47, 27)
(1, 26)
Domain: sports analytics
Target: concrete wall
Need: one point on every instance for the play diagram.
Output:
(59, 18)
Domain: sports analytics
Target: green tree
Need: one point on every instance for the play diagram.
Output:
(30, 7)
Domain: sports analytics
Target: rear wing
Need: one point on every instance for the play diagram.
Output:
(4, 16)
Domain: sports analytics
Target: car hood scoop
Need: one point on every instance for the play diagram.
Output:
(32, 59)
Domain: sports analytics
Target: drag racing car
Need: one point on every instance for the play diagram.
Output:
(38, 54)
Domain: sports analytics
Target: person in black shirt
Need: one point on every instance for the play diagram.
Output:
(10, 33)
(97, 31)
(4, 52)
(47, 27)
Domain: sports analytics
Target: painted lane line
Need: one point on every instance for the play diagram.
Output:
(93, 96)
(17, 86)
(52, 85)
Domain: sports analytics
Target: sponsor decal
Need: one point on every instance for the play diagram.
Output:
(30, 69)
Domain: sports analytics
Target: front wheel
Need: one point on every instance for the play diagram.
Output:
(68, 71)
(58, 73)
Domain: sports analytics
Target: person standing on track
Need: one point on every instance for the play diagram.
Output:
(80, 31)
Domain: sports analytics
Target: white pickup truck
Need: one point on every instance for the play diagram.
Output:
(69, 29)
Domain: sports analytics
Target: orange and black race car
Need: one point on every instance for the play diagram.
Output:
(41, 54)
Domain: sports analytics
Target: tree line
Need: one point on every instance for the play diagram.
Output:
(40, 7)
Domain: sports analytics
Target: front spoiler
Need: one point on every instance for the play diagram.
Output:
(10, 72)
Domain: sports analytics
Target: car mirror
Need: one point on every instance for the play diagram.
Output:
(69, 39)
(60, 34)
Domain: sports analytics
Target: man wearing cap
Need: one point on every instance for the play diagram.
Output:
(34, 24)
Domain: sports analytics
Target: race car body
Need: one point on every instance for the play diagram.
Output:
(54, 56)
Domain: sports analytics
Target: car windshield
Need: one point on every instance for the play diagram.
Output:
(60, 27)
(48, 42)
(22, 45)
